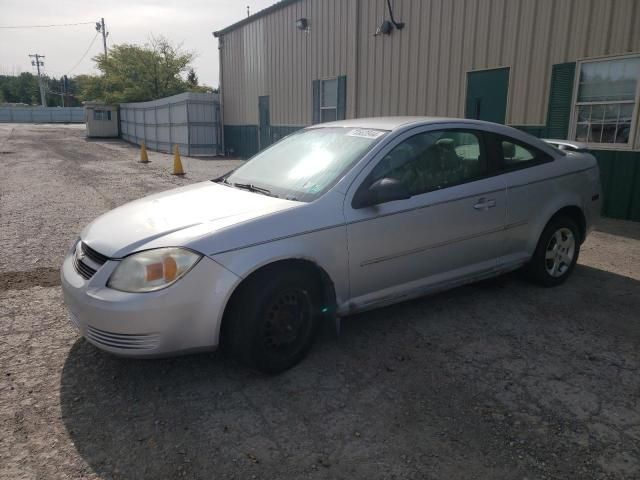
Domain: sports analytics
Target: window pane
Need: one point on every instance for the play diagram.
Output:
(584, 113)
(328, 115)
(596, 133)
(626, 111)
(329, 93)
(597, 113)
(582, 132)
(622, 133)
(434, 160)
(609, 80)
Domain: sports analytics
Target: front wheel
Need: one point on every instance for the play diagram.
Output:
(274, 319)
(556, 254)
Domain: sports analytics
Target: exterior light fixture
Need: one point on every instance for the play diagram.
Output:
(302, 24)
(384, 29)
(387, 27)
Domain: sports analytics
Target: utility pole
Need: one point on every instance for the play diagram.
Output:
(38, 64)
(100, 27)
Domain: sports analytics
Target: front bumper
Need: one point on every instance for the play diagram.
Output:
(181, 318)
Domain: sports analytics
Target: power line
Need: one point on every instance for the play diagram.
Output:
(84, 54)
(47, 26)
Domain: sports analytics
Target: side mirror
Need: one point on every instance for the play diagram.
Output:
(381, 191)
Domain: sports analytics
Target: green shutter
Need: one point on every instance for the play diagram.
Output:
(560, 98)
(342, 98)
(316, 102)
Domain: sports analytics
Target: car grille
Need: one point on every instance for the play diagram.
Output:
(123, 340)
(86, 271)
(83, 269)
(93, 255)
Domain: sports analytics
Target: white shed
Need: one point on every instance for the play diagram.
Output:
(102, 120)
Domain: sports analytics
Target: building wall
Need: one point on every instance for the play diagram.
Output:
(422, 69)
(271, 57)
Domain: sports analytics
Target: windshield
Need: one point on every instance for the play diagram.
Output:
(306, 164)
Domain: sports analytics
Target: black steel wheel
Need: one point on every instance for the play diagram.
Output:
(273, 319)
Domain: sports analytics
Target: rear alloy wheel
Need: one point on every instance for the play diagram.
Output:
(560, 252)
(556, 253)
(273, 319)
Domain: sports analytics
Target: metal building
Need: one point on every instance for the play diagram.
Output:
(101, 119)
(564, 69)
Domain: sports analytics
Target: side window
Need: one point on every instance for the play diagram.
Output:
(434, 160)
(101, 114)
(515, 155)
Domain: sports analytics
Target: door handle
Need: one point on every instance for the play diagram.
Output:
(485, 204)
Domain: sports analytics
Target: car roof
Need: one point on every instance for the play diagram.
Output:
(397, 122)
(407, 122)
(386, 123)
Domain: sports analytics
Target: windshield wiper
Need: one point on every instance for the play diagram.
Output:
(252, 188)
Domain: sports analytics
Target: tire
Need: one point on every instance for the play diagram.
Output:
(556, 254)
(273, 319)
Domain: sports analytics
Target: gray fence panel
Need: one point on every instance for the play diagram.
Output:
(42, 114)
(189, 120)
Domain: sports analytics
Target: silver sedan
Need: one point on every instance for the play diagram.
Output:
(334, 219)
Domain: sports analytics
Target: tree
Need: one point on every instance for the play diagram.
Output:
(88, 87)
(192, 78)
(22, 88)
(133, 73)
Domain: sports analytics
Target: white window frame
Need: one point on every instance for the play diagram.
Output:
(322, 107)
(574, 104)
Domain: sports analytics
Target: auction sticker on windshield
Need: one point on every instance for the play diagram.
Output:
(365, 133)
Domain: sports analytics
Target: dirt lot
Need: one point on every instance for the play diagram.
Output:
(495, 380)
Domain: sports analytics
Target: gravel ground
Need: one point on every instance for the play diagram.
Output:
(495, 380)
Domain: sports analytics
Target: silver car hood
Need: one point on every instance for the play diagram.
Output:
(187, 211)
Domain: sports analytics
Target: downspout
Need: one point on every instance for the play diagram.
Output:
(220, 94)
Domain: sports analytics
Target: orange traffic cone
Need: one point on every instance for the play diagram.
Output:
(144, 158)
(177, 163)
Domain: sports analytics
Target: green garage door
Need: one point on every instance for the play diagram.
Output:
(487, 95)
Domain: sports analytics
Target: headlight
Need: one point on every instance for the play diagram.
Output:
(152, 270)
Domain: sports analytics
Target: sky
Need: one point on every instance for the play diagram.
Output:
(128, 21)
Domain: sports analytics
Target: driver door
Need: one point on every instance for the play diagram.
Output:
(449, 230)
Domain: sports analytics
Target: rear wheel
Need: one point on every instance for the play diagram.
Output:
(273, 319)
(556, 253)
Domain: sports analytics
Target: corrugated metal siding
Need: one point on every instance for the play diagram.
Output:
(42, 115)
(270, 56)
(190, 120)
(421, 69)
(620, 179)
